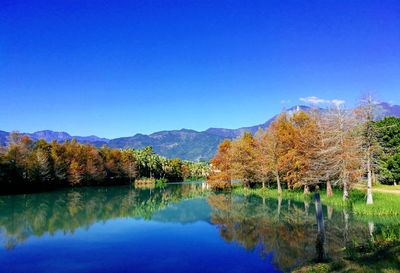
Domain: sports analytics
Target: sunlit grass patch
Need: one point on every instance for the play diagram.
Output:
(384, 204)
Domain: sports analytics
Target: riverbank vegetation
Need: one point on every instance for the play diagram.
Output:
(27, 166)
(333, 148)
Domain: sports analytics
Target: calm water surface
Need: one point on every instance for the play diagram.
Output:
(179, 228)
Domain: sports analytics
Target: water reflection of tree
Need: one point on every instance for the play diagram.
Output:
(22, 216)
(287, 230)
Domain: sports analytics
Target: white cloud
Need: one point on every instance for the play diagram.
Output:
(315, 100)
(337, 102)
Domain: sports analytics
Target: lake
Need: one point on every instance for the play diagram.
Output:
(177, 228)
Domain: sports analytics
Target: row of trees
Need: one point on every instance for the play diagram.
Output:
(335, 147)
(29, 165)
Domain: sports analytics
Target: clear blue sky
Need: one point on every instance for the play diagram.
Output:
(116, 68)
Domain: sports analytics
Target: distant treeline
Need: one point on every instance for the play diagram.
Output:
(333, 147)
(27, 165)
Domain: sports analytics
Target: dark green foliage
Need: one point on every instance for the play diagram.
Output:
(388, 132)
(393, 167)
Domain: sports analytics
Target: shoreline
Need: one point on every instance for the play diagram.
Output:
(385, 204)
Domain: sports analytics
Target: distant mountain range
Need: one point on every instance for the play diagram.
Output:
(186, 144)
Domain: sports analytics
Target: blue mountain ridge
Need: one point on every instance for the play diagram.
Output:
(184, 143)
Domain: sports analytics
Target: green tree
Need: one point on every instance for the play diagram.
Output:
(388, 136)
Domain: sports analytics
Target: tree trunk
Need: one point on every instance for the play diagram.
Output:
(369, 191)
(279, 205)
(346, 226)
(263, 184)
(329, 191)
(306, 189)
(278, 181)
(330, 212)
(306, 207)
(371, 228)
(345, 191)
(319, 244)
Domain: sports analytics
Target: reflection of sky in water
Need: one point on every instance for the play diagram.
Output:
(187, 211)
(129, 245)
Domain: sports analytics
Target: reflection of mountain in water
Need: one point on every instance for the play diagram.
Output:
(184, 212)
(22, 216)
